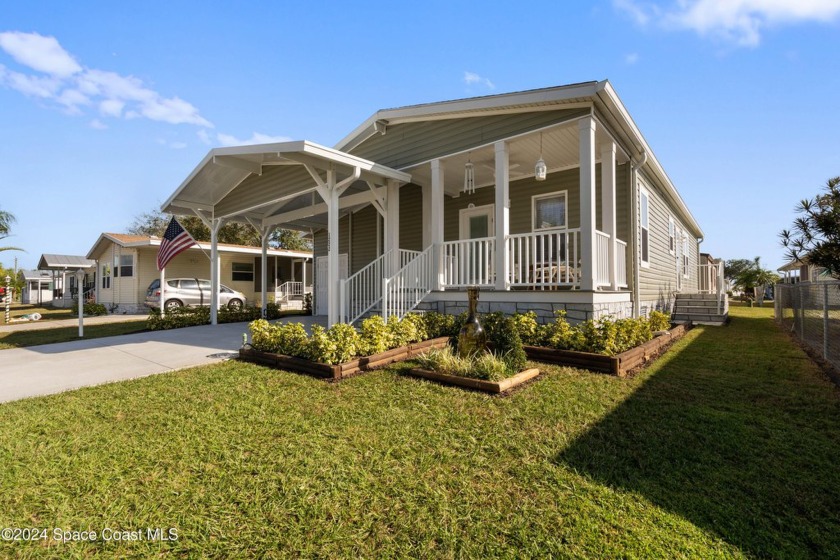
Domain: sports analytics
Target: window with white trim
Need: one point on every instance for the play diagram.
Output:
(685, 255)
(672, 236)
(106, 276)
(242, 272)
(124, 266)
(644, 220)
(549, 211)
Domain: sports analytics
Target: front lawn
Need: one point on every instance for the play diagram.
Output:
(725, 447)
(22, 338)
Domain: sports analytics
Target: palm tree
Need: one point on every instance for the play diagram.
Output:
(756, 277)
(6, 221)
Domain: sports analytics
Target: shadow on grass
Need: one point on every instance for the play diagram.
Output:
(737, 432)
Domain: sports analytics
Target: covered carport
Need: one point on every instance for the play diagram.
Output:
(295, 185)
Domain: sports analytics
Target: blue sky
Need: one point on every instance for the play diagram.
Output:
(104, 112)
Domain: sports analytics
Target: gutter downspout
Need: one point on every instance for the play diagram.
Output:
(634, 190)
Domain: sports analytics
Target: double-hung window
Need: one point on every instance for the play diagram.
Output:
(644, 220)
(549, 215)
(124, 266)
(685, 255)
(106, 276)
(672, 236)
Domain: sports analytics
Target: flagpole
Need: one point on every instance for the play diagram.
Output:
(162, 289)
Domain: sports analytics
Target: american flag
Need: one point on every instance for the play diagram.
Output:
(175, 240)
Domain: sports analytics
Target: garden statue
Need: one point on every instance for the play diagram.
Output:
(472, 339)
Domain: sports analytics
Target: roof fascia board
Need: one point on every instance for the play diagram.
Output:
(478, 104)
(613, 105)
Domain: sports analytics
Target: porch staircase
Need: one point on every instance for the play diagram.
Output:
(700, 309)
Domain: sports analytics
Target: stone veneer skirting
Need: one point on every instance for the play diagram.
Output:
(545, 304)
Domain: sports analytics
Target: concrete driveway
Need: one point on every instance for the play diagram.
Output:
(53, 368)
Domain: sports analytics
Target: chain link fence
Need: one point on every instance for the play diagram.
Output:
(811, 311)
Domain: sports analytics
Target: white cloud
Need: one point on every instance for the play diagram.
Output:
(204, 136)
(97, 124)
(256, 138)
(471, 78)
(175, 145)
(40, 53)
(631, 58)
(738, 21)
(72, 86)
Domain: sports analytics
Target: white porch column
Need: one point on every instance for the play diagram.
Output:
(434, 221)
(264, 270)
(587, 202)
(608, 207)
(392, 228)
(427, 211)
(215, 270)
(502, 213)
(331, 199)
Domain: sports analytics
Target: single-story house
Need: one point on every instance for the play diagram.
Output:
(63, 269)
(548, 200)
(127, 264)
(803, 271)
(37, 287)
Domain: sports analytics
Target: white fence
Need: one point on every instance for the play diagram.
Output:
(402, 292)
(811, 311)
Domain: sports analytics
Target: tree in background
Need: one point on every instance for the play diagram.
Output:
(6, 221)
(815, 235)
(154, 223)
(755, 278)
(734, 268)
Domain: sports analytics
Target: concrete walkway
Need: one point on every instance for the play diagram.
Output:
(53, 368)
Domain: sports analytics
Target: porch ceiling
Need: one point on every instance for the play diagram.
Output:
(258, 183)
(560, 150)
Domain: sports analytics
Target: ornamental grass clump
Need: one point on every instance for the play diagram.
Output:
(488, 367)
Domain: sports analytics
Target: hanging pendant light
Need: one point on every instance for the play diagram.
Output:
(469, 177)
(541, 169)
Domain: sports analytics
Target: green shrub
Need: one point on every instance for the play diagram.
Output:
(439, 324)
(320, 347)
(94, 309)
(345, 342)
(560, 334)
(503, 337)
(307, 303)
(375, 336)
(265, 337)
(659, 321)
(293, 339)
(228, 315)
(527, 326)
(403, 332)
(178, 318)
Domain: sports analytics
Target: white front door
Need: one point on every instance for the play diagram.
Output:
(321, 275)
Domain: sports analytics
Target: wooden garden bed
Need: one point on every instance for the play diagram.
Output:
(340, 371)
(480, 384)
(620, 364)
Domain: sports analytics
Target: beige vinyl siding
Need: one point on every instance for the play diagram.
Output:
(122, 289)
(658, 282)
(411, 218)
(364, 237)
(319, 244)
(407, 144)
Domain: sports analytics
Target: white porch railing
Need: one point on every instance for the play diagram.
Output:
(287, 291)
(469, 262)
(710, 280)
(363, 290)
(402, 292)
(544, 259)
(621, 262)
(602, 259)
(406, 256)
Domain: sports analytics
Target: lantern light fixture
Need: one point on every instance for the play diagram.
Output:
(540, 170)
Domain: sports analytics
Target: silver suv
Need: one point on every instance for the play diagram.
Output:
(191, 291)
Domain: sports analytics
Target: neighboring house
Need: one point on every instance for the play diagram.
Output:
(63, 270)
(127, 264)
(549, 200)
(37, 287)
(803, 271)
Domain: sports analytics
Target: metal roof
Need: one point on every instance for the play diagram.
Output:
(254, 183)
(63, 262)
